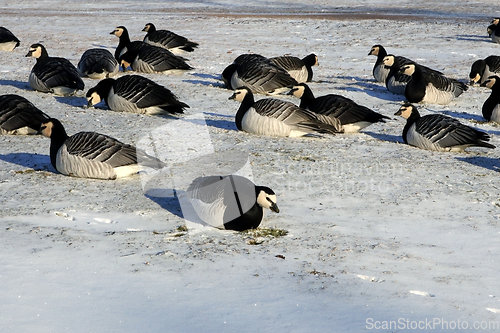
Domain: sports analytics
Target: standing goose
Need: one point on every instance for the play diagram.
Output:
(19, 116)
(430, 87)
(380, 72)
(257, 73)
(98, 64)
(167, 39)
(53, 74)
(143, 57)
(136, 94)
(352, 116)
(275, 117)
(230, 202)
(438, 132)
(482, 69)
(93, 155)
(395, 82)
(299, 69)
(491, 107)
(8, 42)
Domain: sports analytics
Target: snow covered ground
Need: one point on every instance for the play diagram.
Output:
(381, 236)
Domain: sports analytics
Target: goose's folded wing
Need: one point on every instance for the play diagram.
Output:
(101, 148)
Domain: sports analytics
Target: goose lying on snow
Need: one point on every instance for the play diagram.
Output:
(380, 72)
(274, 117)
(438, 132)
(136, 94)
(482, 69)
(8, 42)
(299, 69)
(430, 87)
(144, 57)
(53, 74)
(257, 73)
(230, 202)
(167, 39)
(98, 64)
(491, 107)
(93, 155)
(19, 116)
(352, 116)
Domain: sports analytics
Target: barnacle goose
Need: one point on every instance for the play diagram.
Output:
(8, 42)
(152, 59)
(257, 73)
(482, 69)
(143, 57)
(299, 69)
(167, 39)
(352, 116)
(438, 132)
(275, 117)
(491, 107)
(98, 63)
(93, 155)
(395, 81)
(53, 74)
(430, 87)
(230, 202)
(380, 72)
(494, 32)
(19, 116)
(136, 94)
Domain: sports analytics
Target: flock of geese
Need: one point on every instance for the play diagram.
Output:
(232, 202)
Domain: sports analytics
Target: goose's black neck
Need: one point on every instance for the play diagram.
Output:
(246, 104)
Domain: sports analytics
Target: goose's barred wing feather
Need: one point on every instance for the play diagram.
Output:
(344, 109)
(161, 59)
(493, 63)
(448, 132)
(267, 76)
(288, 63)
(57, 72)
(444, 83)
(170, 39)
(101, 148)
(293, 115)
(17, 112)
(143, 91)
(405, 61)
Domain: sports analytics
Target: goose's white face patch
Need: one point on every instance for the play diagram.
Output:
(405, 111)
(490, 82)
(476, 78)
(374, 51)
(46, 129)
(408, 69)
(266, 200)
(35, 52)
(93, 99)
(388, 61)
(146, 27)
(316, 61)
(118, 32)
(298, 91)
(239, 95)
